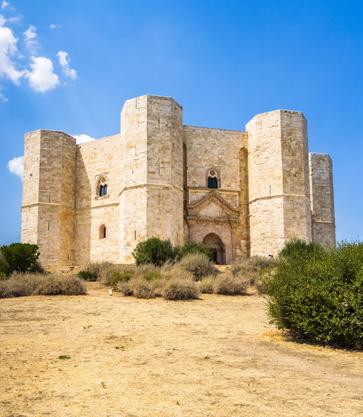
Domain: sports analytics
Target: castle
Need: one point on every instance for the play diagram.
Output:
(242, 193)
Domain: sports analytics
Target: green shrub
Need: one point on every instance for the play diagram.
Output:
(87, 275)
(191, 248)
(153, 251)
(119, 276)
(319, 296)
(36, 284)
(300, 250)
(178, 289)
(226, 284)
(20, 257)
(197, 264)
(206, 285)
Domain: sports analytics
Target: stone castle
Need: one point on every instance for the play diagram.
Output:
(242, 193)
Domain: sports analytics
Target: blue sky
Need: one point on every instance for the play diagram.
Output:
(69, 65)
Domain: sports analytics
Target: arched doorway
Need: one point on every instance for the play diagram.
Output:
(214, 242)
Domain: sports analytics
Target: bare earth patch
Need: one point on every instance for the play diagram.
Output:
(105, 356)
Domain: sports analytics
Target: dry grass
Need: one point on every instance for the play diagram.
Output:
(115, 356)
(21, 285)
(226, 284)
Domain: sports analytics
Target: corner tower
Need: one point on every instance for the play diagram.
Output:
(278, 173)
(151, 197)
(48, 208)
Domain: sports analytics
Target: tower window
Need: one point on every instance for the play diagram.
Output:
(101, 187)
(212, 180)
(102, 232)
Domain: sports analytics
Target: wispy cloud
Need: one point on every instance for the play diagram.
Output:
(54, 26)
(5, 4)
(2, 20)
(30, 37)
(64, 62)
(16, 166)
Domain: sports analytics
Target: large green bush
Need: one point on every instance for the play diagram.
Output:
(19, 257)
(318, 295)
(154, 251)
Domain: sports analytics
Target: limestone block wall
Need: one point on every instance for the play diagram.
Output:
(322, 199)
(277, 181)
(49, 207)
(100, 158)
(151, 199)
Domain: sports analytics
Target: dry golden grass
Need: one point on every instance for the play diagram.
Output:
(103, 356)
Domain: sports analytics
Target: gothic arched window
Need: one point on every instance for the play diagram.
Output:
(212, 180)
(102, 187)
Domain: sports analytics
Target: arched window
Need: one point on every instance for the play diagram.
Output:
(102, 187)
(212, 180)
(102, 232)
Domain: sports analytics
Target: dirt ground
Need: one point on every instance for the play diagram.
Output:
(126, 357)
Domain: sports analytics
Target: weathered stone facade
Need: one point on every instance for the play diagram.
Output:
(243, 193)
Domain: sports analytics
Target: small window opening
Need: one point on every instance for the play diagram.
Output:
(212, 179)
(103, 232)
(102, 187)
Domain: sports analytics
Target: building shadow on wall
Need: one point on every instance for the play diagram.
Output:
(83, 213)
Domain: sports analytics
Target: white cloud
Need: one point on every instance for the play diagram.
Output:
(2, 20)
(16, 166)
(54, 26)
(3, 98)
(42, 76)
(64, 61)
(5, 4)
(15, 19)
(30, 37)
(83, 138)
(8, 48)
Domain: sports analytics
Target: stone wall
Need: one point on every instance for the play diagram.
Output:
(278, 180)
(49, 196)
(322, 199)
(151, 200)
(99, 158)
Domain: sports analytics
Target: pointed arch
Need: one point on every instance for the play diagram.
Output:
(102, 186)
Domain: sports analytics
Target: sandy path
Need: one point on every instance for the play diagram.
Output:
(214, 357)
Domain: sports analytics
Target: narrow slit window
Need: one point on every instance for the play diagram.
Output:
(102, 232)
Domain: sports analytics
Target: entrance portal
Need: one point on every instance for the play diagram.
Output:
(215, 243)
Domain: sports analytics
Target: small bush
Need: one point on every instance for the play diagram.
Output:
(154, 251)
(125, 289)
(252, 268)
(32, 284)
(87, 275)
(192, 248)
(206, 285)
(197, 264)
(142, 289)
(119, 276)
(102, 270)
(178, 289)
(20, 257)
(318, 296)
(59, 285)
(226, 284)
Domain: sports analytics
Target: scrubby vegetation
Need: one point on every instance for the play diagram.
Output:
(181, 289)
(19, 285)
(253, 269)
(18, 257)
(197, 264)
(158, 252)
(317, 294)
(226, 284)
